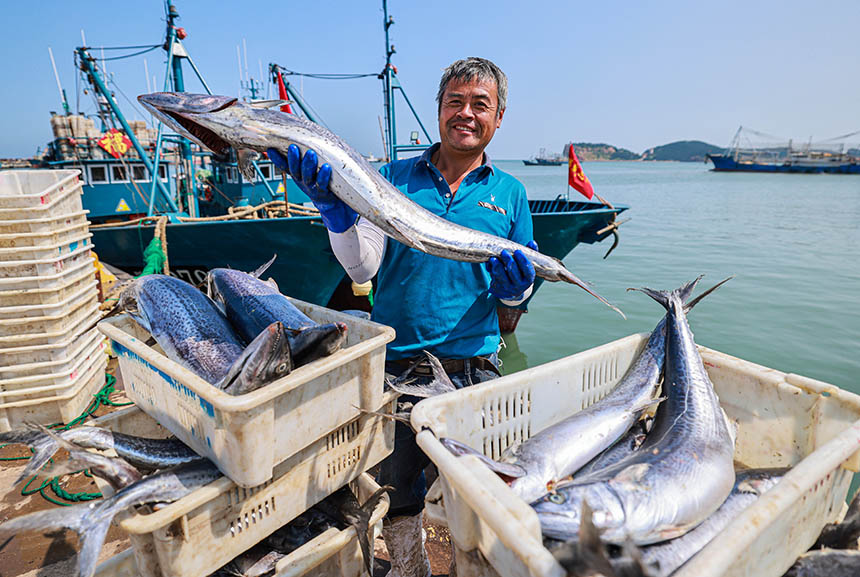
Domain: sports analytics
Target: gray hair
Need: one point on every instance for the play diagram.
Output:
(474, 68)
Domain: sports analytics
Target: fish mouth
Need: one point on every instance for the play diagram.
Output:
(178, 110)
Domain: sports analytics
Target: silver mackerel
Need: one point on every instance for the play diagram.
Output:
(221, 122)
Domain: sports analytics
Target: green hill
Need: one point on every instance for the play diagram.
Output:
(683, 151)
(600, 151)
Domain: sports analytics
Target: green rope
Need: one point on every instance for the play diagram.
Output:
(153, 258)
(102, 397)
(370, 296)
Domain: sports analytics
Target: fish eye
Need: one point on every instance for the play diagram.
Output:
(557, 498)
(281, 368)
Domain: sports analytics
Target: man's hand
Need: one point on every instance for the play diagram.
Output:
(336, 215)
(511, 275)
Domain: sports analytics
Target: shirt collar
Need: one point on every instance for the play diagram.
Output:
(427, 155)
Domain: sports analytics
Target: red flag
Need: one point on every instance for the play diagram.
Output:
(282, 93)
(576, 178)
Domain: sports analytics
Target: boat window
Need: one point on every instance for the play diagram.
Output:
(232, 174)
(139, 173)
(118, 173)
(162, 172)
(266, 170)
(98, 173)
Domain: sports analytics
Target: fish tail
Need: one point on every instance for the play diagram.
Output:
(568, 277)
(504, 470)
(90, 521)
(362, 525)
(688, 307)
(42, 446)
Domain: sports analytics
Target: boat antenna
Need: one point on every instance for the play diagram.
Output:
(59, 86)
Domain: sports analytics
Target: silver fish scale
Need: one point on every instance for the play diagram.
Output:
(681, 474)
(188, 326)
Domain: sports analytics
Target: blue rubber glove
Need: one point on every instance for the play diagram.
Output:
(336, 215)
(511, 275)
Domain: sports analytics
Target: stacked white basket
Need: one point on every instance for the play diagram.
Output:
(50, 363)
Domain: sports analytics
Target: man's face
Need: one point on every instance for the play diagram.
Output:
(469, 115)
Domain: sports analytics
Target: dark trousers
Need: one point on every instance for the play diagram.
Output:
(404, 468)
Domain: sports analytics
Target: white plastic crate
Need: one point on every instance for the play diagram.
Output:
(47, 347)
(206, 529)
(80, 346)
(56, 383)
(784, 420)
(236, 431)
(57, 191)
(22, 224)
(62, 408)
(49, 251)
(333, 553)
(48, 238)
(16, 332)
(45, 266)
(83, 291)
(49, 289)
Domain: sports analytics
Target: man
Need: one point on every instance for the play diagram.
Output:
(442, 306)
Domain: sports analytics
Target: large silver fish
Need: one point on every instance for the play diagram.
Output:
(92, 520)
(221, 122)
(560, 450)
(195, 333)
(664, 559)
(682, 473)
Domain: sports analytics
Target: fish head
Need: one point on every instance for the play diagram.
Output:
(560, 511)
(216, 123)
(266, 359)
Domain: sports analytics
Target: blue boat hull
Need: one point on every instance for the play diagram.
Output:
(723, 163)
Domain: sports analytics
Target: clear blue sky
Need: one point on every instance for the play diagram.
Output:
(633, 74)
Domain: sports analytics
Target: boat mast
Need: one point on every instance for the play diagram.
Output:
(175, 35)
(88, 67)
(390, 83)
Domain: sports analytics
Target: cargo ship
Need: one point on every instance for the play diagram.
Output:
(832, 156)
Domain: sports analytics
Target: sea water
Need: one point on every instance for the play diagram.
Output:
(793, 242)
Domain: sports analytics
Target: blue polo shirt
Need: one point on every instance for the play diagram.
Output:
(437, 304)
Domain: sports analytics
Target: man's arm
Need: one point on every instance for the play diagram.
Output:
(517, 271)
(359, 249)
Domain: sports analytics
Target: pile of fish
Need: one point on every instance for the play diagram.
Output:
(667, 488)
(152, 472)
(218, 123)
(245, 336)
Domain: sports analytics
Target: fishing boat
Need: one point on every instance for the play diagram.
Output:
(142, 174)
(831, 156)
(545, 159)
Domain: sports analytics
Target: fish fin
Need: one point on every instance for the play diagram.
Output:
(647, 404)
(407, 237)
(504, 470)
(245, 161)
(312, 343)
(632, 474)
(661, 297)
(439, 374)
(686, 290)
(271, 282)
(266, 104)
(568, 277)
(259, 272)
(698, 299)
(266, 359)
